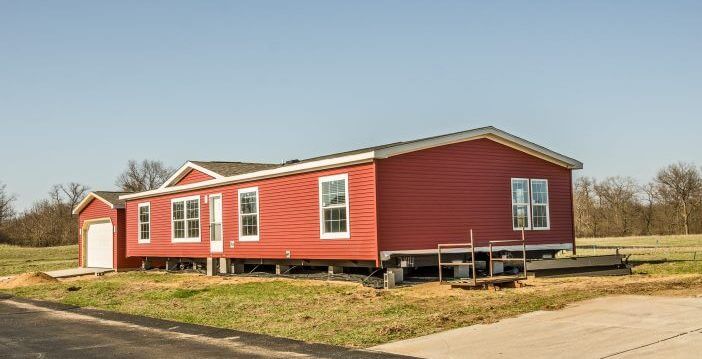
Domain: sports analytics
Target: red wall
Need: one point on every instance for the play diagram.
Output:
(97, 209)
(192, 177)
(437, 195)
(289, 220)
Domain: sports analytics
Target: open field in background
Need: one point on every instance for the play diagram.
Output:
(650, 254)
(336, 312)
(15, 260)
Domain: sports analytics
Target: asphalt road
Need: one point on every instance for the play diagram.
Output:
(33, 329)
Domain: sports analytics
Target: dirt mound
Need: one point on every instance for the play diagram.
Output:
(26, 279)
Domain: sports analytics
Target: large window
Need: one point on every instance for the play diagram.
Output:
(334, 206)
(530, 204)
(539, 204)
(185, 214)
(248, 214)
(520, 203)
(144, 223)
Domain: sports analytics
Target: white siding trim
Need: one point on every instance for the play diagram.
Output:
(335, 235)
(243, 238)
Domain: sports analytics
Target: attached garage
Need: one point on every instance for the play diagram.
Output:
(102, 242)
(99, 246)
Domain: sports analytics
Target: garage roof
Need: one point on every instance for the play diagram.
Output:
(110, 198)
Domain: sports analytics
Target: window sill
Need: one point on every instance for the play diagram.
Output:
(342, 235)
(248, 239)
(185, 240)
(143, 241)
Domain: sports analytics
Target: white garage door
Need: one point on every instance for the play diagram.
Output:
(99, 245)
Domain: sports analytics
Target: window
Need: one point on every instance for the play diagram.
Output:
(539, 204)
(334, 207)
(530, 204)
(185, 214)
(248, 214)
(520, 203)
(144, 223)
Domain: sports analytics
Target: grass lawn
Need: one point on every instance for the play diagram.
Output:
(336, 312)
(651, 254)
(15, 260)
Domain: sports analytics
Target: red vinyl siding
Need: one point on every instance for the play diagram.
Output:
(97, 209)
(436, 195)
(192, 177)
(288, 220)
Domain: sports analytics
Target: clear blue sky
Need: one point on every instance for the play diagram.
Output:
(86, 86)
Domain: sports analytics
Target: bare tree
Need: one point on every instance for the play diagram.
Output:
(586, 222)
(143, 176)
(618, 194)
(7, 209)
(648, 213)
(681, 185)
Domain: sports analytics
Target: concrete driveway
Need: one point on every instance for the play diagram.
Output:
(33, 329)
(612, 327)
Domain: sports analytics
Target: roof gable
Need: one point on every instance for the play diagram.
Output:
(110, 198)
(215, 170)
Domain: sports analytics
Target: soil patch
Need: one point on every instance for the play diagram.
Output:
(27, 279)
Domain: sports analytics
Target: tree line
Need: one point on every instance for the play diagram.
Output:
(50, 221)
(671, 203)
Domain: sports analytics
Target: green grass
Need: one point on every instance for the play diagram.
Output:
(331, 312)
(15, 260)
(656, 255)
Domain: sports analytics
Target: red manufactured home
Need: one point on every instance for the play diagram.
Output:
(367, 207)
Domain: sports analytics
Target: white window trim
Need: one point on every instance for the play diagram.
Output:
(185, 208)
(243, 238)
(528, 203)
(335, 235)
(548, 205)
(139, 223)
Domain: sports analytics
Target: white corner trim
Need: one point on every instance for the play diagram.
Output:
(184, 169)
(89, 197)
(334, 235)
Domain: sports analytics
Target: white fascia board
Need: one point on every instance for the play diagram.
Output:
(271, 173)
(87, 200)
(486, 132)
(184, 169)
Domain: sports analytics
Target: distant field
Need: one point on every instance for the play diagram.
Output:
(14, 259)
(650, 254)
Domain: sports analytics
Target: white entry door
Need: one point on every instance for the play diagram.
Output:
(98, 251)
(216, 242)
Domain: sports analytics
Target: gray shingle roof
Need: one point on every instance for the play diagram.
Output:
(112, 197)
(227, 169)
